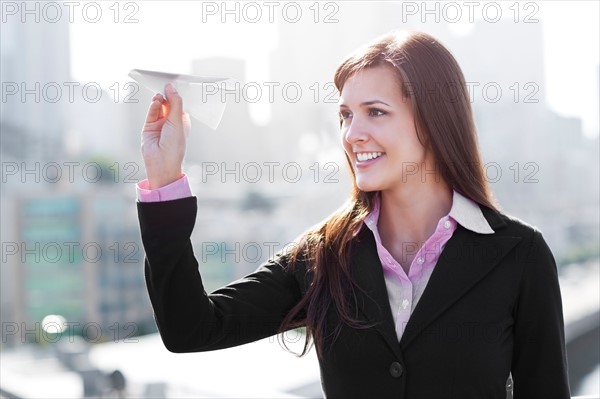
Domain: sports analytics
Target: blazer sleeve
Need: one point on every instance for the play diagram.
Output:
(539, 365)
(189, 319)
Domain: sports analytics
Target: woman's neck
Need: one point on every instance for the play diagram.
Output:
(409, 216)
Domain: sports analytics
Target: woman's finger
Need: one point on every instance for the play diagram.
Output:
(187, 124)
(175, 108)
(154, 111)
(162, 109)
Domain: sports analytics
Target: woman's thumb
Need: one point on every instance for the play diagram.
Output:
(187, 124)
(175, 104)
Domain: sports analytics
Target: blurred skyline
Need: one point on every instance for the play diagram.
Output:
(69, 168)
(505, 54)
(571, 42)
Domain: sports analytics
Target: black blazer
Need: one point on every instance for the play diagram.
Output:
(492, 306)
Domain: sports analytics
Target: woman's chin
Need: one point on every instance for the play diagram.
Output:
(368, 186)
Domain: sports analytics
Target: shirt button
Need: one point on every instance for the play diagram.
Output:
(396, 370)
(420, 260)
(447, 224)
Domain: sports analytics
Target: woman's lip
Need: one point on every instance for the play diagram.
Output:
(368, 162)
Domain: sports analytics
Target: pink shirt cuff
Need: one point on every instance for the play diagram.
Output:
(176, 190)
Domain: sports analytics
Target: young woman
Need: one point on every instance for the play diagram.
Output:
(419, 287)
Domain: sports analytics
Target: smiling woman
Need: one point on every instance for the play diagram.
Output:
(418, 287)
(379, 136)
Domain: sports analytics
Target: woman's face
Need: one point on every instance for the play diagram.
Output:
(378, 132)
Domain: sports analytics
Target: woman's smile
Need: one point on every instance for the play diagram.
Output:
(364, 159)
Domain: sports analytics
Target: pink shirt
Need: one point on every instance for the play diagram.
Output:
(404, 290)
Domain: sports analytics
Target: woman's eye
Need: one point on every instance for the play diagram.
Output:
(344, 115)
(376, 112)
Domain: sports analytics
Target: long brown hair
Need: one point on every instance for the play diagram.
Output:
(431, 79)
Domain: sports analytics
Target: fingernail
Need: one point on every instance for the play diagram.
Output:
(173, 87)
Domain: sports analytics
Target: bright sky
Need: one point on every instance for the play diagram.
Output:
(572, 52)
(166, 39)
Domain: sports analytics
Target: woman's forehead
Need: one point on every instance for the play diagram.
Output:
(376, 82)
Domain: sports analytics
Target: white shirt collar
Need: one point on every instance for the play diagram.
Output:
(468, 214)
(465, 211)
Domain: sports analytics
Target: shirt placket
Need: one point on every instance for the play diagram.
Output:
(428, 255)
(400, 290)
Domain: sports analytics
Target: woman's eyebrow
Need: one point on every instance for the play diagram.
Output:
(366, 103)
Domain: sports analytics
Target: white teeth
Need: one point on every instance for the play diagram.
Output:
(365, 156)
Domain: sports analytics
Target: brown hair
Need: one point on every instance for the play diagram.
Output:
(431, 79)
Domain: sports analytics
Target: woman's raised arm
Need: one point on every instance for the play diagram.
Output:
(189, 319)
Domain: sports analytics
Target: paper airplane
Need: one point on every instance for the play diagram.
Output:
(203, 97)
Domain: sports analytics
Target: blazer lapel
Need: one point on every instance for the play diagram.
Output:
(465, 260)
(372, 299)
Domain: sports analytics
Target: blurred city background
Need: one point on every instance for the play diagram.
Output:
(76, 319)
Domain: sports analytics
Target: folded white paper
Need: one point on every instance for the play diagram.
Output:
(203, 97)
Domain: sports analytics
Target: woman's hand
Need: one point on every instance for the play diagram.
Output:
(164, 138)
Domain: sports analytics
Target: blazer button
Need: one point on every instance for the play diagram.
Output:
(396, 370)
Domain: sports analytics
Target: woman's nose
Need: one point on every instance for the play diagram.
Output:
(356, 132)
